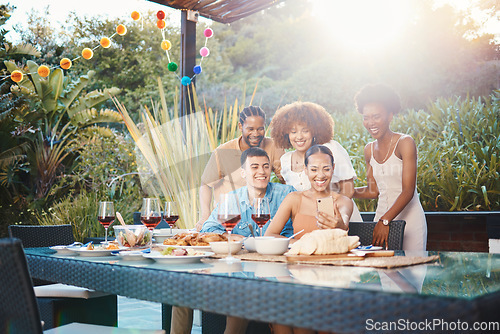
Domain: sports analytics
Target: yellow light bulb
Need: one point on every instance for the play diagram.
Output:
(87, 53)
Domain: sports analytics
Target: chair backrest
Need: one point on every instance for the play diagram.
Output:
(18, 306)
(42, 235)
(365, 232)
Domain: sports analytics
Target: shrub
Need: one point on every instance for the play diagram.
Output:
(105, 170)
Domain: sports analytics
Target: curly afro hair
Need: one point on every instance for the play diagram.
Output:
(312, 115)
(378, 93)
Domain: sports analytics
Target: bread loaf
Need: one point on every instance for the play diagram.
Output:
(322, 242)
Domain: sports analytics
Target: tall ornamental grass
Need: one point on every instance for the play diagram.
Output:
(173, 151)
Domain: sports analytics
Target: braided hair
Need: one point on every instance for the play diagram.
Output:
(251, 111)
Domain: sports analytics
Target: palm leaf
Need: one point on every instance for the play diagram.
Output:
(91, 116)
(73, 90)
(13, 154)
(91, 100)
(36, 78)
(22, 49)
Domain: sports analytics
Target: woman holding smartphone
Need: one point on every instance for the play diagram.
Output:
(391, 162)
(302, 206)
(300, 125)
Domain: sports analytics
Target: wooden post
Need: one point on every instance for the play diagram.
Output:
(188, 60)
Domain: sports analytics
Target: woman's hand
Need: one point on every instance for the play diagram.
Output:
(326, 221)
(380, 235)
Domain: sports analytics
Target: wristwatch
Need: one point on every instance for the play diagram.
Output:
(385, 222)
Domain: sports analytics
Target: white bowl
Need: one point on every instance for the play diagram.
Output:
(137, 230)
(221, 247)
(162, 234)
(271, 246)
(249, 244)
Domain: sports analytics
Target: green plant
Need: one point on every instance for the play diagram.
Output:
(95, 179)
(81, 212)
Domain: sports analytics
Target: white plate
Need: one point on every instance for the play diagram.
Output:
(64, 250)
(196, 248)
(130, 255)
(94, 252)
(172, 259)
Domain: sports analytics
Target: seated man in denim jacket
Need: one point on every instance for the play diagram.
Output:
(256, 170)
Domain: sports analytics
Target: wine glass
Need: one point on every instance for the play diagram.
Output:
(171, 214)
(106, 216)
(260, 212)
(229, 215)
(151, 213)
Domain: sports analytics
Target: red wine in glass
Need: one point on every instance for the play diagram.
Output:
(260, 212)
(151, 222)
(229, 221)
(106, 220)
(229, 215)
(171, 214)
(261, 220)
(106, 216)
(171, 220)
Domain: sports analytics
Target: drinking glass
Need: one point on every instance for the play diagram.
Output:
(261, 212)
(229, 215)
(106, 216)
(171, 214)
(151, 213)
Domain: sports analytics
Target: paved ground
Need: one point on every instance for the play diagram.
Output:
(133, 313)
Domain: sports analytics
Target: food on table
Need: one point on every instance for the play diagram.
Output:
(172, 251)
(194, 239)
(112, 246)
(90, 246)
(128, 239)
(331, 241)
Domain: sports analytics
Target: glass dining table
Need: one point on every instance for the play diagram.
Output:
(458, 292)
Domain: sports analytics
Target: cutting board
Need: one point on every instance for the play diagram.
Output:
(333, 257)
(339, 257)
(376, 253)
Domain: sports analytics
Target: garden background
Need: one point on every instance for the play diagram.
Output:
(64, 144)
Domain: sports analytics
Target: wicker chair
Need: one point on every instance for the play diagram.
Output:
(18, 309)
(59, 305)
(365, 232)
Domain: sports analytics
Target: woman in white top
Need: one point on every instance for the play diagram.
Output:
(391, 174)
(300, 125)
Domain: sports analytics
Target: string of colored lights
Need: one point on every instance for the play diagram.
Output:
(105, 42)
(166, 45)
(66, 63)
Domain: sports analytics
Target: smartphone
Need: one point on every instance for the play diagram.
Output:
(325, 205)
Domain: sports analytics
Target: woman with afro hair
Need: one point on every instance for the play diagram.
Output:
(300, 125)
